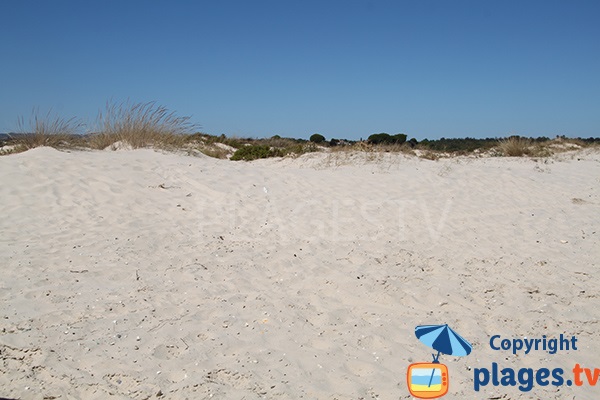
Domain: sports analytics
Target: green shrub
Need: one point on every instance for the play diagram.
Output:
(459, 145)
(384, 138)
(399, 138)
(317, 138)
(254, 152)
(378, 138)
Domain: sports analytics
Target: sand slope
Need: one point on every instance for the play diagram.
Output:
(136, 274)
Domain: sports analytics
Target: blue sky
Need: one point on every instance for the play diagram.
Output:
(345, 69)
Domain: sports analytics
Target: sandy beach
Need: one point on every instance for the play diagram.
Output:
(140, 274)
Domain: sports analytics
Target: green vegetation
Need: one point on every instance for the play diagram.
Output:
(287, 147)
(465, 145)
(254, 152)
(317, 138)
(384, 138)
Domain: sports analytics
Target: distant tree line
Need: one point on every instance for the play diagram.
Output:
(385, 138)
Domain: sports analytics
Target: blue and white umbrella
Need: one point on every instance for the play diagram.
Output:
(443, 339)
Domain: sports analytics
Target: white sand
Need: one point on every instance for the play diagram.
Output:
(129, 273)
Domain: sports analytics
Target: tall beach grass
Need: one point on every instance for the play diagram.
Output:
(140, 125)
(47, 130)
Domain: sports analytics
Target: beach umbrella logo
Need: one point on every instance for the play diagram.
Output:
(430, 380)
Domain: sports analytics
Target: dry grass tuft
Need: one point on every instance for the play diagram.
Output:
(515, 146)
(540, 150)
(140, 125)
(429, 155)
(48, 130)
(361, 146)
(215, 152)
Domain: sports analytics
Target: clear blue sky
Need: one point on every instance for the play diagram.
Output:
(344, 69)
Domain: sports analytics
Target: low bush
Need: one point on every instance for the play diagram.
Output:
(385, 138)
(462, 145)
(254, 152)
(317, 138)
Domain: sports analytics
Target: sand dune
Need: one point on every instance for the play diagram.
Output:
(137, 274)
